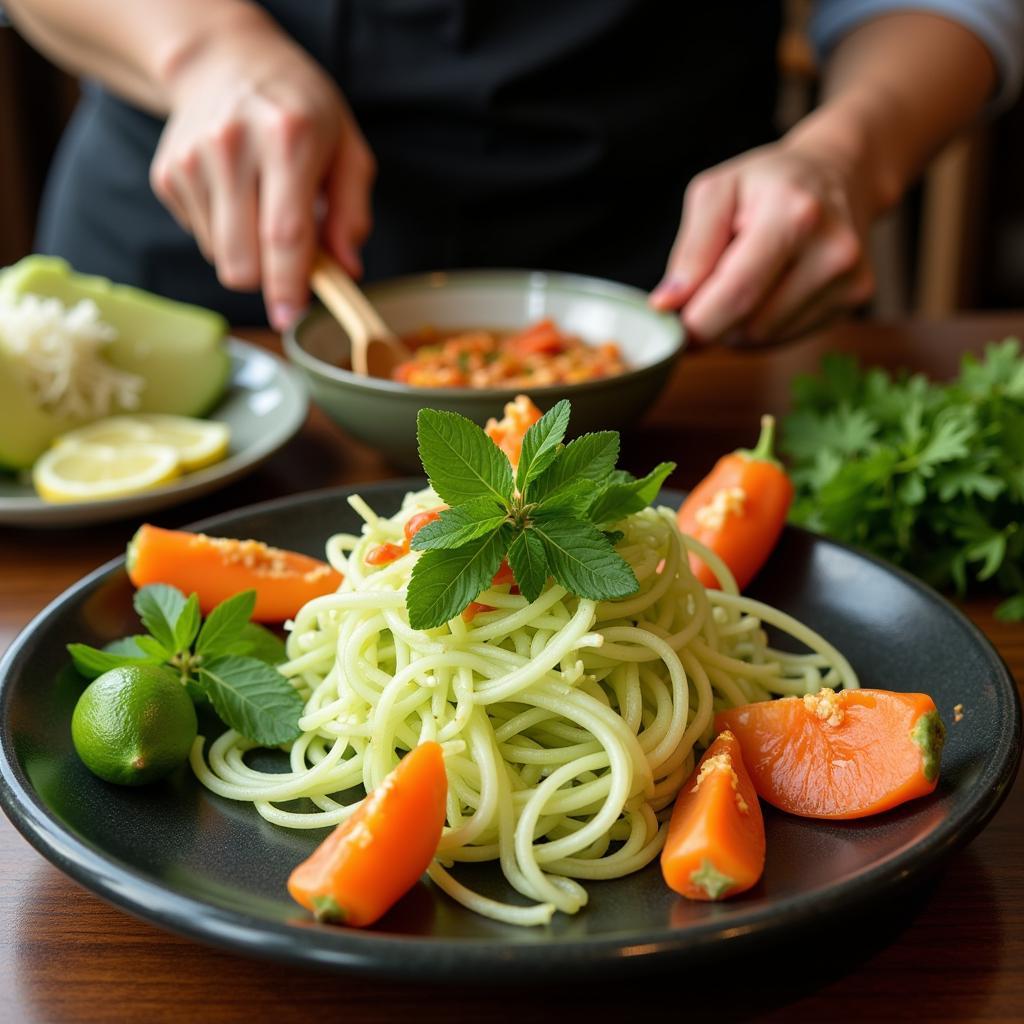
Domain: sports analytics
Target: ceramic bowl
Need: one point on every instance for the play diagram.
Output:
(382, 413)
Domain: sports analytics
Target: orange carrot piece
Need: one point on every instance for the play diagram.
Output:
(715, 846)
(385, 554)
(508, 432)
(739, 509)
(375, 857)
(216, 568)
(416, 522)
(845, 754)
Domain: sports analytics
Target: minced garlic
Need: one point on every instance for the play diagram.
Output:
(722, 763)
(825, 705)
(726, 502)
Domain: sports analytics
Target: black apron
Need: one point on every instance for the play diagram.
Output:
(556, 134)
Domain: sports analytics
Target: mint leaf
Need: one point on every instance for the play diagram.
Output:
(224, 624)
(460, 525)
(128, 646)
(444, 582)
(589, 459)
(529, 563)
(91, 662)
(583, 561)
(256, 641)
(462, 462)
(253, 699)
(151, 647)
(160, 606)
(540, 444)
(622, 499)
(187, 626)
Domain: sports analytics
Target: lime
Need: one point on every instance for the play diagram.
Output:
(134, 724)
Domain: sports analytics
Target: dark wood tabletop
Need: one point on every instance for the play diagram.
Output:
(950, 949)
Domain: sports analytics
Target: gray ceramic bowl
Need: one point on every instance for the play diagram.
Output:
(382, 413)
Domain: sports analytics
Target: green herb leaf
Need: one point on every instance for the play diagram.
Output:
(160, 606)
(187, 626)
(583, 561)
(1011, 610)
(253, 699)
(589, 459)
(223, 626)
(91, 662)
(444, 582)
(462, 462)
(529, 563)
(151, 647)
(460, 525)
(623, 499)
(540, 444)
(129, 647)
(256, 641)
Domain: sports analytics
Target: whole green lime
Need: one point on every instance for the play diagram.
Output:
(134, 725)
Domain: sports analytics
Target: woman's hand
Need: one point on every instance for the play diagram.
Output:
(258, 139)
(771, 244)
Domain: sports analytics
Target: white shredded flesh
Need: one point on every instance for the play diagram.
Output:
(568, 725)
(60, 351)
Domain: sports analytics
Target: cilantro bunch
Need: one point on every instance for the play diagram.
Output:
(552, 516)
(226, 660)
(929, 476)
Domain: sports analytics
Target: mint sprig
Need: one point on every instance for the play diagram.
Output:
(226, 660)
(549, 519)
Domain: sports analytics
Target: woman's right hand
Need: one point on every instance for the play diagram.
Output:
(257, 135)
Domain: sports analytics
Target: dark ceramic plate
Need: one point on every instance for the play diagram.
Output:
(213, 869)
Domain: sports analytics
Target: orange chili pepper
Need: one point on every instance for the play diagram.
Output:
(376, 856)
(716, 845)
(216, 568)
(842, 754)
(739, 509)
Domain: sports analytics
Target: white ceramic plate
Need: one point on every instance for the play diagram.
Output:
(264, 406)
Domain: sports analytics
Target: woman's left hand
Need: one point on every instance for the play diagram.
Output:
(771, 245)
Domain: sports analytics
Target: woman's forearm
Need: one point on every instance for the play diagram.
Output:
(135, 47)
(896, 90)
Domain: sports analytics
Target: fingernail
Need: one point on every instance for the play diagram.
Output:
(669, 289)
(283, 315)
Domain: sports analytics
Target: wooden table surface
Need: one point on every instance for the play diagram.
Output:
(951, 949)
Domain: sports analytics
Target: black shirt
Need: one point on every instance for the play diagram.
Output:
(557, 134)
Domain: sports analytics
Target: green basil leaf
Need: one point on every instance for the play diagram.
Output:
(462, 462)
(583, 561)
(444, 582)
(224, 624)
(91, 662)
(589, 459)
(623, 499)
(529, 564)
(540, 444)
(254, 699)
(460, 525)
(160, 606)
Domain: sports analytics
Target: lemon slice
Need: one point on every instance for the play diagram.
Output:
(93, 472)
(198, 442)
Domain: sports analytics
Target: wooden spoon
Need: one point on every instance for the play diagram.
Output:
(375, 348)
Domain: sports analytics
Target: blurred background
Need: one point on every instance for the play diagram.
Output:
(955, 243)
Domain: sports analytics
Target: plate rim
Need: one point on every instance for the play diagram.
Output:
(418, 957)
(18, 511)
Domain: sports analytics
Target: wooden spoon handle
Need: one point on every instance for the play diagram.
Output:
(350, 307)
